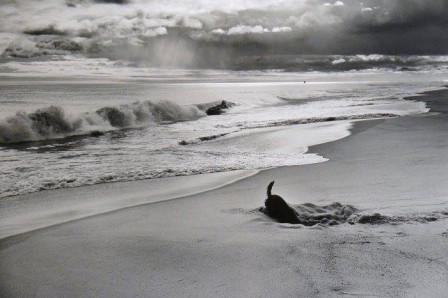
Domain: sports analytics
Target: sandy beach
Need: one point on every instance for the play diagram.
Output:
(199, 148)
(215, 242)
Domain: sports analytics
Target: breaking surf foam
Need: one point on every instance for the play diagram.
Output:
(54, 122)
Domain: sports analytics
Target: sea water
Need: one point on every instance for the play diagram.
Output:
(77, 121)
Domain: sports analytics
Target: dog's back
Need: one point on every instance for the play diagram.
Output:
(278, 209)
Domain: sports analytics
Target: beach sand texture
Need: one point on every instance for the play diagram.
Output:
(217, 244)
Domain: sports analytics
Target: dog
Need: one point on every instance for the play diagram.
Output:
(278, 209)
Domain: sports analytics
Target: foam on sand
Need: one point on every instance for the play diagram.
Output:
(309, 214)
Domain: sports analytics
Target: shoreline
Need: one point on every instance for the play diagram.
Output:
(144, 186)
(214, 243)
(434, 99)
(27, 212)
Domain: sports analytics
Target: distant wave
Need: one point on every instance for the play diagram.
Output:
(337, 63)
(394, 62)
(54, 122)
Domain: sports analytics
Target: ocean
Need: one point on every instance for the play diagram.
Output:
(97, 121)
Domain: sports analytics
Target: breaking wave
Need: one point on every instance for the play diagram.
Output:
(338, 63)
(54, 122)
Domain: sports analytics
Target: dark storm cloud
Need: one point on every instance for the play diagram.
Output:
(205, 32)
(402, 16)
(342, 27)
(400, 27)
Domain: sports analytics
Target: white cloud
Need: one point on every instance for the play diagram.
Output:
(219, 31)
(281, 29)
(155, 32)
(191, 23)
(242, 29)
(337, 3)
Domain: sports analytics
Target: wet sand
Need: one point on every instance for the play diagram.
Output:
(217, 244)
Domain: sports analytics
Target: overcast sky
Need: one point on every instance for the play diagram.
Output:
(223, 30)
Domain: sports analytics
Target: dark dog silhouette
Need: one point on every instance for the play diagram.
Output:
(278, 209)
(309, 214)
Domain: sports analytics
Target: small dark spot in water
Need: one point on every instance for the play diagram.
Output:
(209, 138)
(372, 219)
(96, 133)
(107, 178)
(338, 290)
(49, 184)
(219, 109)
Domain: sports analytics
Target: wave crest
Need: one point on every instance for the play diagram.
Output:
(53, 122)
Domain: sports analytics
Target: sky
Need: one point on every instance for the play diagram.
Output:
(216, 33)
